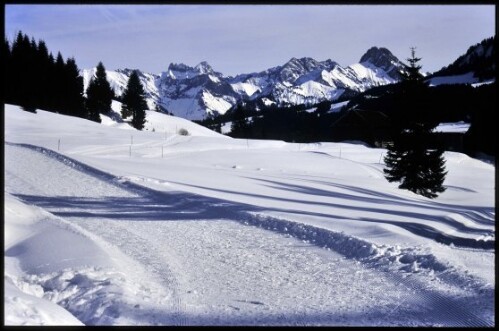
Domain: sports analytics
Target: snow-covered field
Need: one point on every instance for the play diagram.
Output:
(105, 225)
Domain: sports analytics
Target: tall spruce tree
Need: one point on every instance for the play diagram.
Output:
(134, 103)
(59, 87)
(74, 87)
(99, 92)
(414, 158)
(44, 64)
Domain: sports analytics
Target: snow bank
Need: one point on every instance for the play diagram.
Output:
(24, 304)
(380, 257)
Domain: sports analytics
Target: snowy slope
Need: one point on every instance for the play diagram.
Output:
(158, 122)
(478, 59)
(477, 65)
(208, 230)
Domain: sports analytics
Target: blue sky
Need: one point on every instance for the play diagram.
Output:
(247, 38)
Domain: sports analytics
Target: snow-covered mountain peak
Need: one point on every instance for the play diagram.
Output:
(295, 68)
(128, 71)
(178, 67)
(194, 92)
(204, 68)
(330, 64)
(380, 57)
(179, 71)
(305, 64)
(304, 61)
(183, 71)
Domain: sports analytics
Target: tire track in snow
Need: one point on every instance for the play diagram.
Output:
(140, 250)
(50, 177)
(454, 314)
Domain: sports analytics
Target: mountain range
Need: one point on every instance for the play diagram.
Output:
(198, 92)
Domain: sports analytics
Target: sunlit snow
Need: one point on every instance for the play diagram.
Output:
(107, 225)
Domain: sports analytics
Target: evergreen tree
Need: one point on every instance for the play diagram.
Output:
(6, 49)
(134, 103)
(43, 80)
(58, 88)
(99, 92)
(34, 80)
(413, 159)
(8, 71)
(240, 125)
(74, 88)
(27, 68)
(19, 63)
(92, 111)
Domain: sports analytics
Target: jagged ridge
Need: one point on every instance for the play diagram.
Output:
(197, 92)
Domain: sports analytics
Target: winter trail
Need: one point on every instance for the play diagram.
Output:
(218, 270)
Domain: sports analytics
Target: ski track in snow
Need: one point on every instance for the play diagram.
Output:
(199, 249)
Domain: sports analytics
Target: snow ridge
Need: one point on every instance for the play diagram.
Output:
(384, 257)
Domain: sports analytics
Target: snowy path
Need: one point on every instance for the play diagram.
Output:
(217, 270)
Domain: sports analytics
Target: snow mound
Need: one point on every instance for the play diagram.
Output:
(384, 257)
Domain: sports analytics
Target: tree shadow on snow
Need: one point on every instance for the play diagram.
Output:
(423, 230)
(153, 205)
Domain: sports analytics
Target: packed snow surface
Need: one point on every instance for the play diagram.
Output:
(106, 225)
(459, 127)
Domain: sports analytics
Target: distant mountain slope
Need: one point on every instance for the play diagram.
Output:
(198, 92)
(307, 81)
(476, 65)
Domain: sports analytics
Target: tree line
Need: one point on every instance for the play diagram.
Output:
(34, 79)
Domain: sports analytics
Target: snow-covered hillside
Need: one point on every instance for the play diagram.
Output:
(197, 92)
(158, 122)
(476, 66)
(209, 230)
